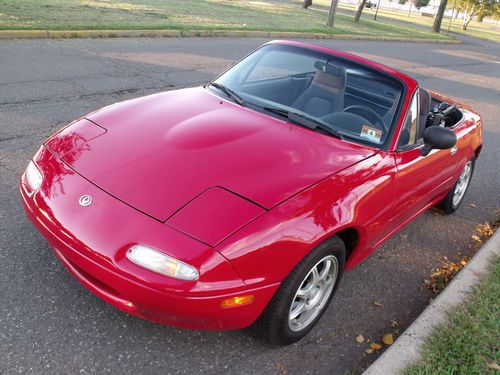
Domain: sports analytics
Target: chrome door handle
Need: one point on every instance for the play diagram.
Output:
(453, 150)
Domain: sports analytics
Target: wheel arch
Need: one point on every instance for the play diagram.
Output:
(350, 238)
(478, 151)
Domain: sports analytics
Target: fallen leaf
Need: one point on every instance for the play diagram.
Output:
(388, 339)
(280, 367)
(485, 230)
(394, 323)
(473, 205)
(378, 303)
(375, 346)
(443, 275)
(475, 237)
(368, 351)
(360, 339)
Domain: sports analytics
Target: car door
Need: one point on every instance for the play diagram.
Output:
(420, 179)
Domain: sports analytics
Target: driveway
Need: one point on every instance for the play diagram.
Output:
(51, 324)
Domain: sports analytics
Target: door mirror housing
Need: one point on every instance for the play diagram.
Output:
(437, 137)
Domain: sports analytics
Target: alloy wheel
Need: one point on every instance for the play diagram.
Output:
(462, 183)
(313, 293)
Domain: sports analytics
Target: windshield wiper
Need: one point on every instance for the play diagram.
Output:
(230, 93)
(305, 121)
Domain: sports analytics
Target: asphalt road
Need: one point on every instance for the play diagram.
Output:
(51, 324)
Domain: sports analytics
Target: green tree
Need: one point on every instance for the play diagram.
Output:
(477, 9)
(420, 3)
(496, 12)
(493, 10)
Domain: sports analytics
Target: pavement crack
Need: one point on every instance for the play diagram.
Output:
(453, 65)
(82, 96)
(43, 131)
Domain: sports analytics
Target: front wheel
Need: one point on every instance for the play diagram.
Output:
(453, 199)
(304, 295)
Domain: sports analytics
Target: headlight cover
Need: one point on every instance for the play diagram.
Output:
(161, 263)
(33, 176)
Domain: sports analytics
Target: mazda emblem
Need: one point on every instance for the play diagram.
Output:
(85, 200)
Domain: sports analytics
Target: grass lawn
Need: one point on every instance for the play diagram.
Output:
(391, 16)
(470, 342)
(193, 15)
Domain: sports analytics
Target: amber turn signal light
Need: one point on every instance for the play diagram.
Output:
(237, 301)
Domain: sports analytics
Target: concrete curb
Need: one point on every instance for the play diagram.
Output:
(65, 34)
(406, 349)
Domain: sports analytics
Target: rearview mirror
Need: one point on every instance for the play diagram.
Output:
(437, 137)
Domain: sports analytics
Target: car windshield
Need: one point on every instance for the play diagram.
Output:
(318, 90)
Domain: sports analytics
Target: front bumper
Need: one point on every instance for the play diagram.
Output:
(92, 241)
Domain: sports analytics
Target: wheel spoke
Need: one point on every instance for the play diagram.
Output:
(329, 281)
(297, 310)
(315, 275)
(303, 292)
(325, 271)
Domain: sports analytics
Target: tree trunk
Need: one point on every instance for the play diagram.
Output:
(333, 11)
(464, 26)
(307, 4)
(360, 9)
(469, 17)
(376, 11)
(436, 27)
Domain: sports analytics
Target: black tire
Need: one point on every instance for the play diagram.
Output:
(448, 205)
(273, 325)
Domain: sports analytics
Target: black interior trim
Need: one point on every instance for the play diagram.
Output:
(388, 102)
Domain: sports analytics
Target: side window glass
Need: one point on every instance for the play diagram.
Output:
(409, 134)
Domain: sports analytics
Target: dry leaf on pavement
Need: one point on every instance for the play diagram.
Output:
(388, 339)
(443, 275)
(375, 346)
(475, 237)
(360, 339)
(485, 230)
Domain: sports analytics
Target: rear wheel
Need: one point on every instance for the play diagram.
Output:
(304, 295)
(452, 201)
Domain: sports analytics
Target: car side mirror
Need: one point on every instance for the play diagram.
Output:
(437, 137)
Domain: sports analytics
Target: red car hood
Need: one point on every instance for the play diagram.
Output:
(159, 152)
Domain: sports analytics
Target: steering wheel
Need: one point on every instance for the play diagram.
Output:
(372, 115)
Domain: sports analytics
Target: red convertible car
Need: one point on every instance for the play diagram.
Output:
(242, 202)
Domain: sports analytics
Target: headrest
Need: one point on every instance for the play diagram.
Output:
(329, 75)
